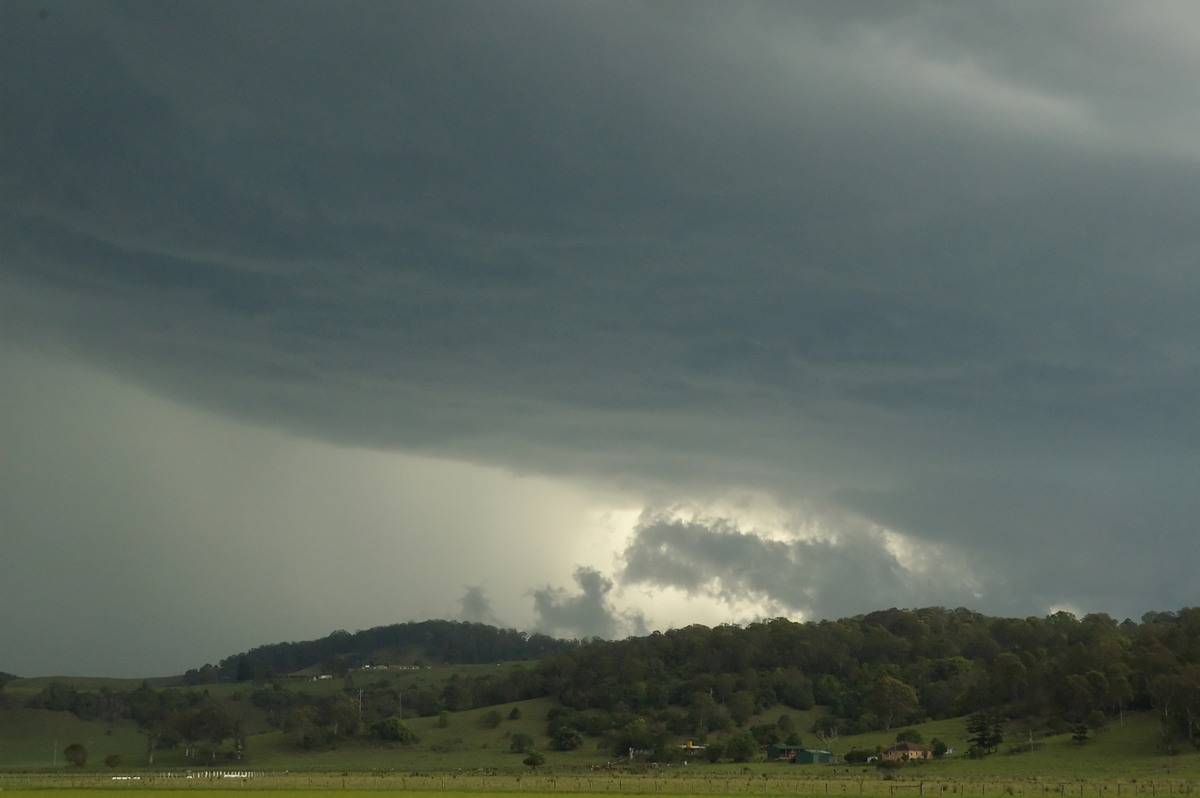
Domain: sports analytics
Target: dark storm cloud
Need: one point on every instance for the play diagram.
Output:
(928, 265)
(1086, 542)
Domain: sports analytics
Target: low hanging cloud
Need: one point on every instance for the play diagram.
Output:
(589, 613)
(861, 568)
(477, 608)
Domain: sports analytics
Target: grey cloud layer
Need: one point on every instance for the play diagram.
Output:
(932, 263)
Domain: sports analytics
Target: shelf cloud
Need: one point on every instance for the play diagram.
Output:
(636, 316)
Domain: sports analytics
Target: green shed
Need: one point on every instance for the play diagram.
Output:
(785, 753)
(813, 756)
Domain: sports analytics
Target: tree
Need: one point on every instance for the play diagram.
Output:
(892, 700)
(76, 754)
(215, 726)
(1120, 690)
(793, 688)
(239, 735)
(741, 747)
(1096, 720)
(856, 756)
(521, 743)
(535, 759)
(337, 665)
(826, 729)
(765, 733)
(1176, 698)
(566, 739)
(700, 707)
(491, 719)
(1163, 691)
(741, 706)
(636, 736)
(1077, 696)
(394, 730)
(301, 726)
(189, 725)
(153, 725)
(205, 675)
(985, 732)
(1008, 676)
(719, 719)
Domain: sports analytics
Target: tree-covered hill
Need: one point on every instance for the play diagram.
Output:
(893, 667)
(421, 643)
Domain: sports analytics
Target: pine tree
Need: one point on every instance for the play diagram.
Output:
(984, 732)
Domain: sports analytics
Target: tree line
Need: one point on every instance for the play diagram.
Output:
(893, 667)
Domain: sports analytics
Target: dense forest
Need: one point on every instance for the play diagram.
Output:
(417, 643)
(881, 670)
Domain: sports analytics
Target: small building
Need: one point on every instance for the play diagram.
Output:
(783, 753)
(307, 674)
(907, 752)
(814, 756)
(798, 754)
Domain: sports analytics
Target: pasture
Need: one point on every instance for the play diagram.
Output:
(670, 782)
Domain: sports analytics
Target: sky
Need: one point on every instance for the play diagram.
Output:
(588, 318)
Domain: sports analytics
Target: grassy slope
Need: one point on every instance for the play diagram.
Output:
(31, 739)
(1124, 750)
